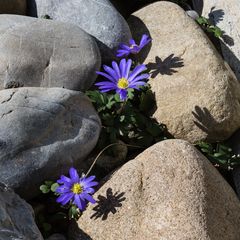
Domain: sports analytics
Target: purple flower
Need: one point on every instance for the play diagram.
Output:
(125, 50)
(76, 190)
(121, 79)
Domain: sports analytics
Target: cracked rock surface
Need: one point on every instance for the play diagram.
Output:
(16, 217)
(169, 191)
(45, 53)
(43, 132)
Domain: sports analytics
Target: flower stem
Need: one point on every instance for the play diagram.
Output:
(101, 152)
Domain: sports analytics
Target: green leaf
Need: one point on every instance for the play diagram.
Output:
(54, 187)
(44, 189)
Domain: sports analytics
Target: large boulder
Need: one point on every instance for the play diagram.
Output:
(98, 18)
(43, 132)
(13, 7)
(39, 52)
(170, 191)
(225, 14)
(197, 94)
(16, 217)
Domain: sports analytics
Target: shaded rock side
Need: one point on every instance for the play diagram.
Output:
(170, 191)
(13, 7)
(44, 132)
(16, 217)
(197, 94)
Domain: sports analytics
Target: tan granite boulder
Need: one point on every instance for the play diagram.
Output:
(196, 92)
(168, 192)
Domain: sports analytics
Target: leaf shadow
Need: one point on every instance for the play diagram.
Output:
(204, 120)
(108, 204)
(216, 16)
(166, 66)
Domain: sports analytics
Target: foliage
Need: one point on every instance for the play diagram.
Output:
(209, 27)
(220, 154)
(48, 186)
(127, 121)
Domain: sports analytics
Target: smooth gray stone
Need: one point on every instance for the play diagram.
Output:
(16, 217)
(45, 53)
(43, 132)
(97, 17)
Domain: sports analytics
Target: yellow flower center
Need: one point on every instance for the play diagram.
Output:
(122, 83)
(77, 188)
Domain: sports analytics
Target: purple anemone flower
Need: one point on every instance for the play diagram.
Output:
(76, 190)
(121, 79)
(133, 48)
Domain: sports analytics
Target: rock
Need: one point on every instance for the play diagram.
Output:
(13, 7)
(16, 217)
(225, 14)
(98, 18)
(44, 53)
(170, 191)
(197, 94)
(43, 132)
(56, 237)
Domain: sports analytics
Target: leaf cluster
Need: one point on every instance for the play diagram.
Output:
(209, 27)
(220, 154)
(48, 186)
(128, 121)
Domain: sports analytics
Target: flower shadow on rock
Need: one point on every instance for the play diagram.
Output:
(166, 66)
(108, 204)
(204, 120)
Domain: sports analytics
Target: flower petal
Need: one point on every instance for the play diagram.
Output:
(79, 202)
(138, 69)
(64, 180)
(106, 76)
(122, 66)
(127, 68)
(116, 69)
(65, 198)
(110, 71)
(88, 197)
(73, 175)
(140, 77)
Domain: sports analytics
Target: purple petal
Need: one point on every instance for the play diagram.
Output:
(127, 68)
(65, 198)
(132, 42)
(122, 93)
(79, 202)
(88, 197)
(122, 53)
(106, 76)
(116, 69)
(136, 71)
(63, 189)
(142, 76)
(122, 67)
(110, 71)
(90, 184)
(90, 190)
(64, 179)
(144, 41)
(124, 46)
(137, 85)
(74, 175)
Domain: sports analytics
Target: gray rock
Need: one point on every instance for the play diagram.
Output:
(97, 17)
(193, 14)
(13, 7)
(45, 53)
(16, 217)
(43, 132)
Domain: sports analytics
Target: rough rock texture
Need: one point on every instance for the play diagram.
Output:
(16, 217)
(197, 94)
(13, 7)
(170, 191)
(99, 18)
(225, 14)
(39, 52)
(43, 132)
